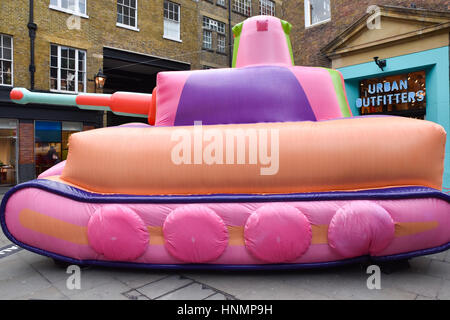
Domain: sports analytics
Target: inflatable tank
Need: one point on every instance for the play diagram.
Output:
(259, 166)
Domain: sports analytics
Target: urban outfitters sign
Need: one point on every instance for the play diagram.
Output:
(392, 94)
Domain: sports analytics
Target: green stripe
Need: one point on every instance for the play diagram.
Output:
(287, 31)
(340, 94)
(237, 29)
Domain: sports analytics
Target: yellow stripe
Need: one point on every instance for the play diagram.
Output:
(319, 234)
(53, 227)
(411, 228)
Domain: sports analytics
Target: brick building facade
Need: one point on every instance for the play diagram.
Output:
(307, 42)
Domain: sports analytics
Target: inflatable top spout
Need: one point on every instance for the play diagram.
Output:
(262, 40)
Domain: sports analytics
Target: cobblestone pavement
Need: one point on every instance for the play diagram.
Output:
(26, 275)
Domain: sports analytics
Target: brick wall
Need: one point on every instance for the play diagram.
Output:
(26, 143)
(307, 42)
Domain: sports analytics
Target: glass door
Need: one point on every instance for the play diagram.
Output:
(8, 152)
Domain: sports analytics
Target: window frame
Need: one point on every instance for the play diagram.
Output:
(58, 78)
(12, 59)
(126, 26)
(210, 37)
(308, 23)
(59, 7)
(265, 3)
(165, 36)
(236, 7)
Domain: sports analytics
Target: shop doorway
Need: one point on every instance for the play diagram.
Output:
(8, 152)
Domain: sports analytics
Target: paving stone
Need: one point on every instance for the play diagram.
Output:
(109, 291)
(31, 257)
(50, 293)
(163, 286)
(419, 297)
(48, 269)
(420, 264)
(193, 291)
(444, 293)
(90, 278)
(269, 286)
(14, 267)
(420, 284)
(439, 269)
(135, 295)
(22, 285)
(438, 256)
(217, 296)
(137, 278)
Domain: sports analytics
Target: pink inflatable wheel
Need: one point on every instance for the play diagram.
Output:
(118, 233)
(195, 234)
(360, 228)
(277, 233)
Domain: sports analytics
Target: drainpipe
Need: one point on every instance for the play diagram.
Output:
(230, 33)
(32, 27)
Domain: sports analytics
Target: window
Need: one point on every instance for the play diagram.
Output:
(207, 39)
(267, 7)
(127, 13)
(213, 25)
(6, 60)
(69, 6)
(243, 6)
(171, 21)
(221, 43)
(67, 69)
(51, 140)
(221, 2)
(210, 25)
(317, 11)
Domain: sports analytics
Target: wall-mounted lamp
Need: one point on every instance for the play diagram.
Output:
(380, 63)
(99, 79)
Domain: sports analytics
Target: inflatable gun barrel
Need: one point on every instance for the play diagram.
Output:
(120, 103)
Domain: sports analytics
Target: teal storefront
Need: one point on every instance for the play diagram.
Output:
(435, 64)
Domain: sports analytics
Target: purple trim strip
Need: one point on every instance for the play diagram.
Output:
(81, 195)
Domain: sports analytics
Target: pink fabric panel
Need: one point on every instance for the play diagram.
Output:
(118, 233)
(169, 88)
(414, 210)
(277, 233)
(194, 233)
(360, 228)
(214, 217)
(320, 91)
(56, 170)
(256, 47)
(57, 207)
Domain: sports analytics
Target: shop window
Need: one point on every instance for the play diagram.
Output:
(127, 13)
(171, 21)
(47, 149)
(68, 128)
(403, 94)
(8, 149)
(243, 7)
(267, 7)
(67, 69)
(317, 11)
(69, 6)
(6, 60)
(52, 142)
